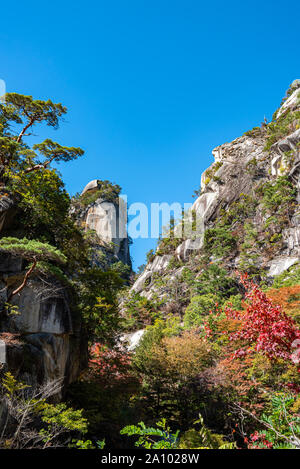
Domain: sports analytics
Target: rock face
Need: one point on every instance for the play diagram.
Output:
(42, 336)
(240, 171)
(7, 211)
(108, 218)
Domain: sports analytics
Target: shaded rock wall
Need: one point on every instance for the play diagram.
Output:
(43, 336)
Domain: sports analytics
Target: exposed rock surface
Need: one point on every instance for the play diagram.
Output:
(43, 337)
(7, 211)
(240, 169)
(131, 341)
(109, 220)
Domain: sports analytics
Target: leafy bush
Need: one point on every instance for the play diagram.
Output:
(198, 309)
(140, 312)
(278, 196)
(34, 423)
(264, 326)
(219, 241)
(279, 128)
(31, 249)
(214, 280)
(153, 438)
(281, 426)
(203, 438)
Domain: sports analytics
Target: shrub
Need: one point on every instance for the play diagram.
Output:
(139, 312)
(279, 128)
(264, 326)
(219, 241)
(280, 425)
(198, 309)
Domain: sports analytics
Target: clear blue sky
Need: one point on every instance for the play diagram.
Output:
(151, 86)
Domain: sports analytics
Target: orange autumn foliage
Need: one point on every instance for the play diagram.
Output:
(288, 298)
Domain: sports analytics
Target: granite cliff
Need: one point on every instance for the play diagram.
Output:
(42, 334)
(248, 204)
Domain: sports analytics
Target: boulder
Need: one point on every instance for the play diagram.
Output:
(279, 265)
(91, 186)
(290, 103)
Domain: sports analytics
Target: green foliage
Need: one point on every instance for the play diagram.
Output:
(60, 416)
(238, 211)
(249, 253)
(203, 438)
(150, 255)
(31, 249)
(86, 444)
(198, 310)
(210, 172)
(289, 92)
(53, 151)
(278, 196)
(106, 191)
(168, 245)
(26, 112)
(151, 437)
(97, 291)
(219, 241)
(49, 269)
(154, 334)
(282, 425)
(254, 133)
(161, 437)
(11, 385)
(251, 166)
(170, 241)
(108, 406)
(43, 202)
(169, 368)
(174, 263)
(214, 280)
(24, 109)
(234, 301)
(282, 126)
(35, 422)
(120, 268)
(288, 278)
(139, 311)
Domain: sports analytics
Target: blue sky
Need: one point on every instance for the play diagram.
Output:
(151, 86)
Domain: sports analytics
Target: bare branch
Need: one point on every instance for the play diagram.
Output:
(25, 280)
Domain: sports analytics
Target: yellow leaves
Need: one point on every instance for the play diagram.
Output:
(102, 304)
(296, 406)
(12, 386)
(184, 356)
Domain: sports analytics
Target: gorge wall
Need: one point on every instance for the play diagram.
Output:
(248, 204)
(42, 332)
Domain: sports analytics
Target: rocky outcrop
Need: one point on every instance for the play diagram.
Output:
(43, 337)
(239, 170)
(41, 334)
(108, 219)
(158, 265)
(292, 100)
(7, 211)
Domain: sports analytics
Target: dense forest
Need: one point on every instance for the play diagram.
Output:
(216, 365)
